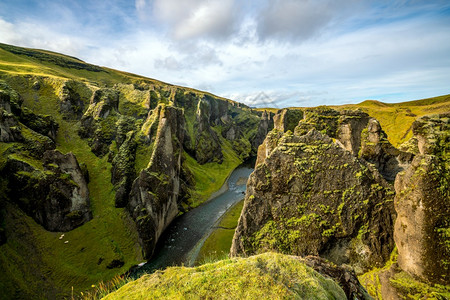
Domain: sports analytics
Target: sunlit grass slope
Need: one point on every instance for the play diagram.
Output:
(396, 118)
(36, 262)
(266, 276)
(32, 252)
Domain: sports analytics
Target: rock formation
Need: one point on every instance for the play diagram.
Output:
(123, 172)
(287, 119)
(98, 122)
(9, 128)
(359, 134)
(57, 197)
(310, 196)
(207, 145)
(264, 127)
(72, 104)
(376, 149)
(154, 196)
(422, 202)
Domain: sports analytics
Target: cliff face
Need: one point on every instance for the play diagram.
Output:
(48, 185)
(423, 203)
(311, 196)
(154, 196)
(322, 190)
(145, 146)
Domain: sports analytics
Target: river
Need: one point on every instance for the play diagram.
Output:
(183, 238)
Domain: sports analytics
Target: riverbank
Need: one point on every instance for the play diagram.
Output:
(179, 244)
(217, 245)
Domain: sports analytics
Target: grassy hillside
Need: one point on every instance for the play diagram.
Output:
(36, 262)
(396, 118)
(266, 276)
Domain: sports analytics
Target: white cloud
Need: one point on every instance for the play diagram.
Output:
(27, 34)
(327, 55)
(190, 19)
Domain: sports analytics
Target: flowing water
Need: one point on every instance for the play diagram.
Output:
(183, 238)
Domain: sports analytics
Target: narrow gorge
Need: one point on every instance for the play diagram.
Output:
(98, 166)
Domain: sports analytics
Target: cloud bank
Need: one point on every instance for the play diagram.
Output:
(281, 52)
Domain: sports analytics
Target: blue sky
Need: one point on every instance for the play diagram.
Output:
(278, 53)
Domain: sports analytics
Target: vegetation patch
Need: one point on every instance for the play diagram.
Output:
(218, 244)
(266, 276)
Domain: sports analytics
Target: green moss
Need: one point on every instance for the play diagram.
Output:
(410, 288)
(266, 276)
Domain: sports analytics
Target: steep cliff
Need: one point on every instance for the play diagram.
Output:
(146, 151)
(422, 228)
(311, 196)
(154, 197)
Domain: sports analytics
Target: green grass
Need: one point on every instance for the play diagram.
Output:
(218, 244)
(109, 235)
(210, 177)
(396, 118)
(406, 286)
(266, 276)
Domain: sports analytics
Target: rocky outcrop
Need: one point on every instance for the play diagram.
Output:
(264, 127)
(57, 197)
(154, 196)
(287, 119)
(44, 125)
(122, 172)
(422, 228)
(342, 275)
(72, 104)
(376, 149)
(20, 124)
(207, 144)
(102, 103)
(9, 128)
(359, 134)
(99, 121)
(312, 197)
(268, 145)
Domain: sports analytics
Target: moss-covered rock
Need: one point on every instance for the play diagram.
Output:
(207, 143)
(154, 196)
(122, 172)
(312, 197)
(10, 130)
(266, 276)
(287, 119)
(74, 96)
(56, 196)
(422, 229)
(376, 149)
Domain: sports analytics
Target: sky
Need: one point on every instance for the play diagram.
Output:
(275, 53)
